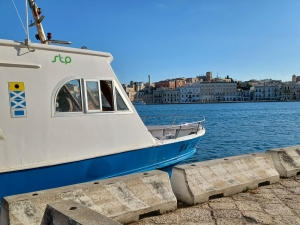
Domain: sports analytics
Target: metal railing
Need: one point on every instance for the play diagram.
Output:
(176, 122)
(171, 119)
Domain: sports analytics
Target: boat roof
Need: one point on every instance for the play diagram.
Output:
(57, 48)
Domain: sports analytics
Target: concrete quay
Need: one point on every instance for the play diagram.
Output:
(258, 188)
(278, 203)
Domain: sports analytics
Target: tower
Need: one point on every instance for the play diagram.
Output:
(208, 76)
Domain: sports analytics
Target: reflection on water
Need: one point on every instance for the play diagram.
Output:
(237, 128)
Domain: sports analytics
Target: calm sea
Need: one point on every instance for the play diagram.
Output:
(237, 128)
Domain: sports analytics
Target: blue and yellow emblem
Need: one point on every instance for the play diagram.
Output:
(17, 99)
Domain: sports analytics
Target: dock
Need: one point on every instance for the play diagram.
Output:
(257, 188)
(277, 203)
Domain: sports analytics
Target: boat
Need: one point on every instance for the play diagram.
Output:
(138, 102)
(65, 119)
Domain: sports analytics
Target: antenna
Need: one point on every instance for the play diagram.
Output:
(27, 41)
(36, 12)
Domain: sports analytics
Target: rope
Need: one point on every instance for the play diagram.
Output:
(19, 16)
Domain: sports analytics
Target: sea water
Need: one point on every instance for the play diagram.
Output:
(237, 128)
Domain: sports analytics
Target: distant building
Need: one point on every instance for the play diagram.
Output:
(295, 78)
(191, 80)
(266, 92)
(290, 91)
(207, 77)
(171, 96)
(170, 84)
(130, 91)
(180, 82)
(158, 95)
(190, 93)
(218, 91)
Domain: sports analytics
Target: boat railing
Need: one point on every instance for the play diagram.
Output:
(171, 119)
(173, 126)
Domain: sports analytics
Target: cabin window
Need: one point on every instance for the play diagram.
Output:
(120, 102)
(92, 95)
(98, 96)
(107, 95)
(69, 97)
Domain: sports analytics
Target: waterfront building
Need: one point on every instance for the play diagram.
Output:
(266, 92)
(165, 95)
(190, 93)
(290, 91)
(242, 95)
(218, 91)
(171, 96)
(158, 95)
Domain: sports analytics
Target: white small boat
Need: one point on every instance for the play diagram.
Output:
(65, 119)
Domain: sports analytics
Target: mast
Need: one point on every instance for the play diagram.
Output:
(37, 21)
(36, 13)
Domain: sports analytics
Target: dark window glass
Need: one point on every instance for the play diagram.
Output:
(68, 98)
(106, 95)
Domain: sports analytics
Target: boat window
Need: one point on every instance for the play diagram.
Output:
(120, 102)
(68, 98)
(89, 96)
(92, 94)
(107, 95)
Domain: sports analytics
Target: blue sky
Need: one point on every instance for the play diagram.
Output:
(245, 39)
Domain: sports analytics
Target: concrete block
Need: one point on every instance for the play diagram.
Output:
(198, 182)
(122, 199)
(286, 160)
(69, 212)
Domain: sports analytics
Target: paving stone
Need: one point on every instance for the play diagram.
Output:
(257, 217)
(223, 199)
(297, 178)
(203, 206)
(293, 205)
(297, 211)
(243, 197)
(276, 204)
(295, 190)
(267, 198)
(197, 223)
(170, 218)
(281, 191)
(194, 215)
(248, 205)
(261, 191)
(274, 186)
(289, 183)
(221, 205)
(289, 198)
(228, 221)
(252, 223)
(286, 220)
(226, 213)
(277, 209)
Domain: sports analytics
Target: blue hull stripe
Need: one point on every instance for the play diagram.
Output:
(146, 159)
